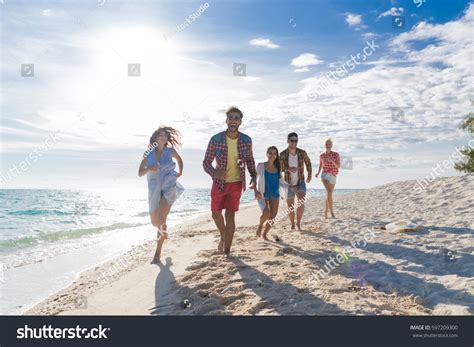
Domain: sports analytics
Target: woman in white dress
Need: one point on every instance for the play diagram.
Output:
(163, 188)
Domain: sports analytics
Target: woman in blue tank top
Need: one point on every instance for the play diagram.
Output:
(267, 191)
(163, 188)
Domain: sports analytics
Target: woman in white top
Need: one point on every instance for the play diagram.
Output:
(267, 192)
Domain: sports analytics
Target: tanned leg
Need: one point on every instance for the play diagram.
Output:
(161, 233)
(165, 208)
(290, 202)
(330, 201)
(220, 224)
(263, 218)
(155, 220)
(327, 186)
(273, 206)
(229, 230)
(300, 210)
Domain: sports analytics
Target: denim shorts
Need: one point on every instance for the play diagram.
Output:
(299, 187)
(328, 177)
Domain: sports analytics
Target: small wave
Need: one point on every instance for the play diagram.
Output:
(42, 237)
(36, 212)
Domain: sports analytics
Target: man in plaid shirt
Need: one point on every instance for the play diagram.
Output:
(293, 160)
(232, 151)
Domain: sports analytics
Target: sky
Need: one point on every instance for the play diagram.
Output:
(389, 81)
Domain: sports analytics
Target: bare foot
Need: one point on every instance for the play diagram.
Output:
(259, 230)
(264, 236)
(292, 226)
(332, 214)
(156, 259)
(298, 226)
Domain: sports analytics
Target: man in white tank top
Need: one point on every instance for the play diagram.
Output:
(293, 160)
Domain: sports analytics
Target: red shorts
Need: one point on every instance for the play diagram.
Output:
(229, 199)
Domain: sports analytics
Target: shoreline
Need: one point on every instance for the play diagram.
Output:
(390, 274)
(96, 277)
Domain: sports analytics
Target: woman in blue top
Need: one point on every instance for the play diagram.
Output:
(163, 188)
(267, 191)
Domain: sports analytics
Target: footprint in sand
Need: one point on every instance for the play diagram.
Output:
(272, 262)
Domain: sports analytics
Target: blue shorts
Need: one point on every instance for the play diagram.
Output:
(299, 187)
(328, 177)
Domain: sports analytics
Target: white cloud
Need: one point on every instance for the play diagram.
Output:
(261, 42)
(251, 78)
(302, 69)
(47, 12)
(394, 11)
(306, 59)
(369, 35)
(353, 19)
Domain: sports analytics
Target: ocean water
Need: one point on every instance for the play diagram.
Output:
(47, 237)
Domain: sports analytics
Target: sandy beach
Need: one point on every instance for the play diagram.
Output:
(430, 271)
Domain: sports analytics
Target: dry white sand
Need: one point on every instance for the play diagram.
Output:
(426, 272)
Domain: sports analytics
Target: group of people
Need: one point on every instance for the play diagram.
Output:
(281, 176)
